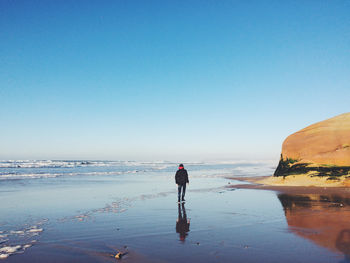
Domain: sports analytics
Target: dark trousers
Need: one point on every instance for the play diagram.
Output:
(183, 186)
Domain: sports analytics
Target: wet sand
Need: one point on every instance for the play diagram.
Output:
(223, 220)
(318, 214)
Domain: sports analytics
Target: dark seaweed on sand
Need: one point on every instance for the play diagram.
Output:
(288, 167)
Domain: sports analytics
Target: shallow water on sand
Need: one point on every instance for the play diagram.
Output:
(91, 217)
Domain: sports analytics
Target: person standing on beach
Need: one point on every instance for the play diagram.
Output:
(181, 178)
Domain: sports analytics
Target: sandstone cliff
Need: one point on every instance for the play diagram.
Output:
(321, 149)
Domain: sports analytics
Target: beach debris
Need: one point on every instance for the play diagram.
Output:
(246, 246)
(81, 217)
(119, 255)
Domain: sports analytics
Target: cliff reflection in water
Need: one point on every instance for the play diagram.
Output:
(323, 219)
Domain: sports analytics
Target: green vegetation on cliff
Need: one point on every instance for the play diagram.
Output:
(292, 167)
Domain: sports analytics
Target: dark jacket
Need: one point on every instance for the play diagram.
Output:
(181, 176)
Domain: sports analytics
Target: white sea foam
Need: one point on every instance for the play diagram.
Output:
(21, 239)
(81, 163)
(36, 169)
(15, 176)
(41, 163)
(9, 249)
(35, 230)
(244, 161)
(18, 232)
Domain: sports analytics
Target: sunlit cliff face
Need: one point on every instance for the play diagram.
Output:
(323, 219)
(326, 142)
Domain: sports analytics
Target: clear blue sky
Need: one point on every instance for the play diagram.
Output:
(168, 80)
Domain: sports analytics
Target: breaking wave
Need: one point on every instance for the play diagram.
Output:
(35, 169)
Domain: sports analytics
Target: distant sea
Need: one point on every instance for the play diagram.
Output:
(34, 169)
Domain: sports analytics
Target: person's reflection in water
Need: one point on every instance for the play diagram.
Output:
(343, 244)
(182, 223)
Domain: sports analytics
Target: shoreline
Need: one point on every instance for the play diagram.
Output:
(130, 214)
(257, 183)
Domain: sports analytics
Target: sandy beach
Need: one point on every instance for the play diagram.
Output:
(298, 184)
